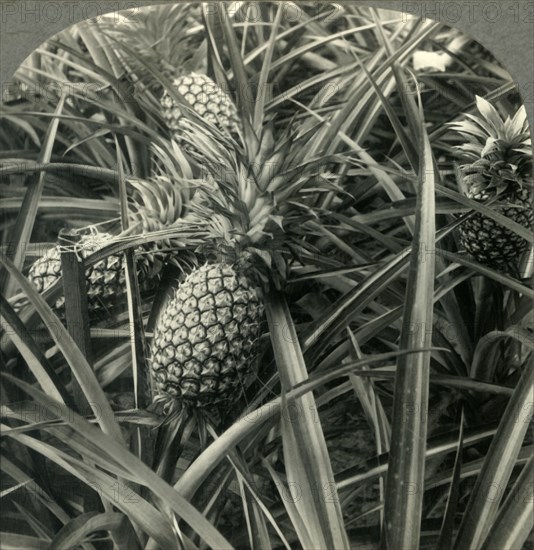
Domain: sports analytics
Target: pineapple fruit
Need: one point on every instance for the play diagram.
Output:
(206, 338)
(155, 205)
(105, 279)
(206, 98)
(496, 164)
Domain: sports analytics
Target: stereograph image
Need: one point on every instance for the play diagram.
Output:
(266, 283)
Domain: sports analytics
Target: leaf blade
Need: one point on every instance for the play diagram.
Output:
(405, 477)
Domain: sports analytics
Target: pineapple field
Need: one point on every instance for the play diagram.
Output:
(266, 282)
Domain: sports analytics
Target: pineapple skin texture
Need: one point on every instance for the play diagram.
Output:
(488, 241)
(205, 343)
(105, 279)
(206, 98)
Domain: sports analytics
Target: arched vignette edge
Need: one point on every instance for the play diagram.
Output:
(506, 29)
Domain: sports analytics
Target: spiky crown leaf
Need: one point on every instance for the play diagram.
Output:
(155, 205)
(256, 202)
(157, 202)
(167, 36)
(500, 147)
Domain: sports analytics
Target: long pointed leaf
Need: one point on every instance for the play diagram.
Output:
(482, 508)
(306, 456)
(128, 461)
(405, 478)
(514, 521)
(81, 369)
(28, 211)
(83, 525)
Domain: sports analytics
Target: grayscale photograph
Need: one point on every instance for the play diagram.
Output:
(265, 280)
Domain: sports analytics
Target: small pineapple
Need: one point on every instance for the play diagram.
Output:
(497, 164)
(155, 205)
(206, 98)
(105, 279)
(206, 339)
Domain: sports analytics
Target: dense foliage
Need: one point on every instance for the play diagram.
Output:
(312, 170)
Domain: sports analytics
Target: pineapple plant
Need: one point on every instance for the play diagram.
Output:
(155, 205)
(496, 165)
(204, 347)
(164, 38)
(267, 215)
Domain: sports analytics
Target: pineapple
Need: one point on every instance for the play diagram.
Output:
(496, 164)
(105, 279)
(207, 337)
(155, 204)
(206, 98)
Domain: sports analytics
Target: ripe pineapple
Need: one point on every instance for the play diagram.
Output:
(155, 204)
(206, 340)
(206, 98)
(497, 164)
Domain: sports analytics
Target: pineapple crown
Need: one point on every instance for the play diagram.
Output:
(161, 204)
(256, 197)
(498, 151)
(167, 36)
(157, 202)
